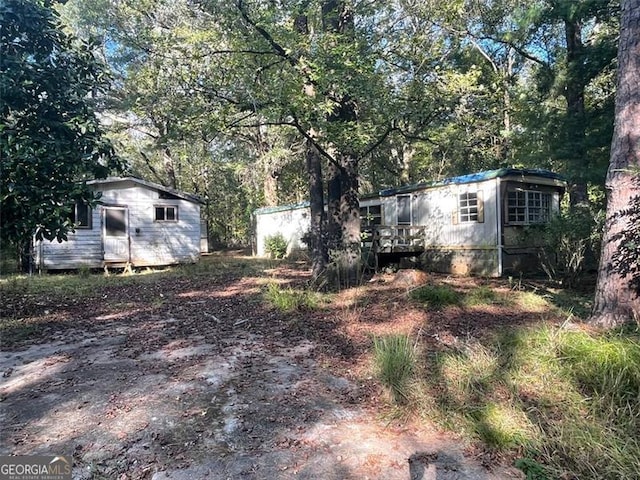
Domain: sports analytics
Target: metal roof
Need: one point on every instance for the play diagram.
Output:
(459, 180)
(154, 186)
(473, 178)
(281, 208)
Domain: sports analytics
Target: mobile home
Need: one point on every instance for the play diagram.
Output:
(471, 224)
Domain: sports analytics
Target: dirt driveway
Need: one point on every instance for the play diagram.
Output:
(195, 377)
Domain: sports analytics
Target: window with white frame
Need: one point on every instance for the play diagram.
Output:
(527, 206)
(81, 215)
(166, 213)
(470, 208)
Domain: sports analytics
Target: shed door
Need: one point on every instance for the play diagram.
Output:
(116, 234)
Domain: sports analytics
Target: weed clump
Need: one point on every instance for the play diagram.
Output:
(395, 362)
(290, 299)
(436, 296)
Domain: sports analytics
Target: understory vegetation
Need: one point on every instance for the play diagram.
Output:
(520, 376)
(288, 299)
(562, 400)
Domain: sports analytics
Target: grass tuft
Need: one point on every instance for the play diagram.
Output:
(485, 295)
(503, 426)
(290, 299)
(566, 401)
(395, 362)
(436, 296)
(532, 301)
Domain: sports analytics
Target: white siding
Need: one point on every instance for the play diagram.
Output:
(435, 209)
(82, 248)
(150, 242)
(293, 224)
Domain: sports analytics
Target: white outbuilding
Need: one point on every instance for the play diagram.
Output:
(135, 223)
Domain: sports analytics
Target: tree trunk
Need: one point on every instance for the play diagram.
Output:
(317, 243)
(616, 301)
(334, 189)
(505, 140)
(269, 170)
(25, 254)
(337, 18)
(576, 121)
(169, 168)
(350, 221)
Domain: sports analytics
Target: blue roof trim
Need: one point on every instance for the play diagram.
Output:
(281, 208)
(472, 178)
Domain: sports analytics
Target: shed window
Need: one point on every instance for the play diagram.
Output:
(81, 215)
(166, 213)
(526, 207)
(470, 207)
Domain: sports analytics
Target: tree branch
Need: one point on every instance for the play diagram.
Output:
(278, 49)
(147, 161)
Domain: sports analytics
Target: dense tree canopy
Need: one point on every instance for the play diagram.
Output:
(50, 138)
(229, 98)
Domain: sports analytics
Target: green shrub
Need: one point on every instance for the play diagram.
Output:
(436, 296)
(570, 241)
(395, 363)
(276, 246)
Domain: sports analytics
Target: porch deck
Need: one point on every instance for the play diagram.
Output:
(394, 239)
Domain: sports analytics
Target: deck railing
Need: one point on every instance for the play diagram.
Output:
(394, 238)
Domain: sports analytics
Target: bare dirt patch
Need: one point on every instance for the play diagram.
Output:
(188, 377)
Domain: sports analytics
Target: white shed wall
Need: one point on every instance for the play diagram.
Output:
(157, 243)
(83, 248)
(150, 242)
